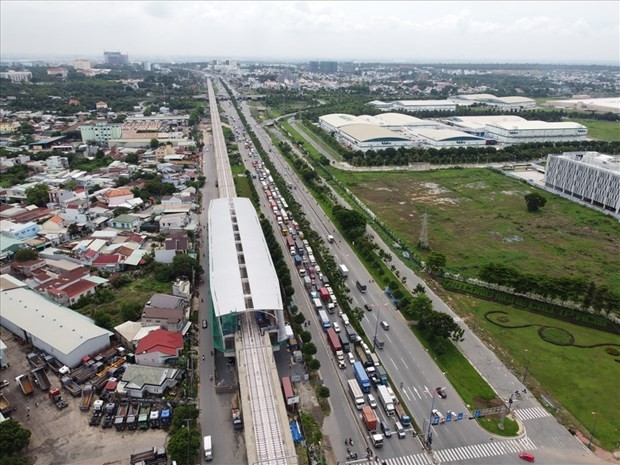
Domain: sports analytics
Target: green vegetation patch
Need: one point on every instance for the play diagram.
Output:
(602, 130)
(570, 374)
(478, 216)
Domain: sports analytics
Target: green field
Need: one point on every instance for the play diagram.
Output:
(583, 380)
(478, 216)
(602, 130)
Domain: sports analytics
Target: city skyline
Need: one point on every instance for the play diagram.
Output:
(467, 32)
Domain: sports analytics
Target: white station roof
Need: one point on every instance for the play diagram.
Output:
(241, 274)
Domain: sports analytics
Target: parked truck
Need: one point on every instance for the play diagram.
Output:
(386, 400)
(25, 384)
(84, 373)
(235, 412)
(95, 418)
(208, 448)
(402, 415)
(56, 398)
(356, 393)
(154, 421)
(41, 379)
(369, 418)
(56, 366)
(87, 398)
(165, 417)
(154, 456)
(35, 360)
(74, 389)
(131, 422)
(121, 415)
(108, 414)
(5, 406)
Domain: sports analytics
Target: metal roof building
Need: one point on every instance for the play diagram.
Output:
(52, 328)
(517, 102)
(448, 138)
(241, 273)
(477, 125)
(368, 136)
(536, 131)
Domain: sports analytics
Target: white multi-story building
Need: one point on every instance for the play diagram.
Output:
(81, 64)
(100, 132)
(535, 131)
(504, 103)
(589, 177)
(17, 76)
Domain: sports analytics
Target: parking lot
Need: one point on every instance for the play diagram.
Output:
(63, 437)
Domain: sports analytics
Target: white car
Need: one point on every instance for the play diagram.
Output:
(336, 327)
(351, 358)
(371, 401)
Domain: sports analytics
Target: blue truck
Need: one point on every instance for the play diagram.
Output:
(325, 323)
(361, 376)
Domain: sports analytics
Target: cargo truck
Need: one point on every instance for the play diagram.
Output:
(334, 343)
(56, 398)
(359, 350)
(35, 360)
(108, 412)
(369, 418)
(121, 414)
(361, 287)
(154, 421)
(143, 416)
(351, 334)
(56, 366)
(361, 376)
(165, 417)
(324, 293)
(344, 271)
(356, 393)
(381, 375)
(402, 415)
(235, 411)
(345, 344)
(74, 389)
(131, 422)
(87, 397)
(25, 384)
(5, 406)
(307, 282)
(154, 456)
(377, 440)
(208, 448)
(386, 400)
(41, 379)
(325, 323)
(95, 418)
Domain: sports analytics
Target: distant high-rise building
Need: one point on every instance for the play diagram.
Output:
(313, 66)
(81, 64)
(146, 65)
(328, 67)
(347, 67)
(115, 58)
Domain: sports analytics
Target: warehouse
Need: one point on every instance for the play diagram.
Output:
(52, 328)
(599, 105)
(536, 131)
(589, 177)
(439, 138)
(477, 125)
(398, 121)
(423, 105)
(367, 136)
(332, 123)
(503, 103)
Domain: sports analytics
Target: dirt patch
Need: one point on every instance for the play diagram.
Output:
(308, 401)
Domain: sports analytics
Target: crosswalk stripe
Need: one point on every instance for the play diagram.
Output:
(459, 453)
(487, 449)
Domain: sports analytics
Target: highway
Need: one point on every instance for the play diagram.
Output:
(408, 363)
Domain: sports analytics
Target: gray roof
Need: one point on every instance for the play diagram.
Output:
(57, 326)
(138, 376)
(166, 301)
(229, 289)
(370, 133)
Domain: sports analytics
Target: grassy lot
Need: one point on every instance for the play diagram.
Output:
(602, 130)
(478, 216)
(582, 380)
(310, 135)
(138, 291)
(242, 186)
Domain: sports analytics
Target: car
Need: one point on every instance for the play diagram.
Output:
(385, 325)
(204, 323)
(368, 307)
(526, 456)
(336, 327)
(351, 358)
(442, 392)
(371, 401)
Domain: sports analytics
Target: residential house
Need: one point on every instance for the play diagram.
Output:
(101, 105)
(139, 380)
(27, 268)
(170, 319)
(20, 231)
(159, 348)
(126, 222)
(169, 301)
(70, 295)
(117, 197)
(108, 262)
(172, 247)
(173, 222)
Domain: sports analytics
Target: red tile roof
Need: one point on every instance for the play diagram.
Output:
(117, 193)
(162, 341)
(107, 259)
(74, 289)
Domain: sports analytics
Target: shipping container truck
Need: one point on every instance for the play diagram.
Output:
(307, 282)
(324, 294)
(87, 397)
(344, 343)
(386, 400)
(25, 384)
(351, 334)
(356, 393)
(381, 375)
(325, 323)
(369, 418)
(334, 343)
(361, 376)
(41, 379)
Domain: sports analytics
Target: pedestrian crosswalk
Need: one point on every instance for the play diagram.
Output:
(489, 449)
(530, 413)
(458, 454)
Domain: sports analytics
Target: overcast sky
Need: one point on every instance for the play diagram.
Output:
(488, 31)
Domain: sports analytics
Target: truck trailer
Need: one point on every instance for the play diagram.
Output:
(386, 400)
(369, 418)
(208, 448)
(87, 398)
(41, 379)
(356, 393)
(361, 376)
(25, 384)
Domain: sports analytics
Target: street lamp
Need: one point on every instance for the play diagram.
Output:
(374, 339)
(429, 433)
(593, 429)
(527, 366)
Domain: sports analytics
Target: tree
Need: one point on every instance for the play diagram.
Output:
(314, 364)
(309, 348)
(184, 446)
(103, 320)
(420, 306)
(182, 266)
(38, 195)
(419, 289)
(132, 159)
(436, 263)
(73, 229)
(182, 413)
(131, 311)
(25, 255)
(13, 439)
(443, 325)
(534, 201)
(352, 222)
(154, 143)
(323, 392)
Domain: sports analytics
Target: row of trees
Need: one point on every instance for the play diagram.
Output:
(575, 289)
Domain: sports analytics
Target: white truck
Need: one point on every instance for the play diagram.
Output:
(386, 400)
(344, 271)
(208, 448)
(356, 393)
(377, 440)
